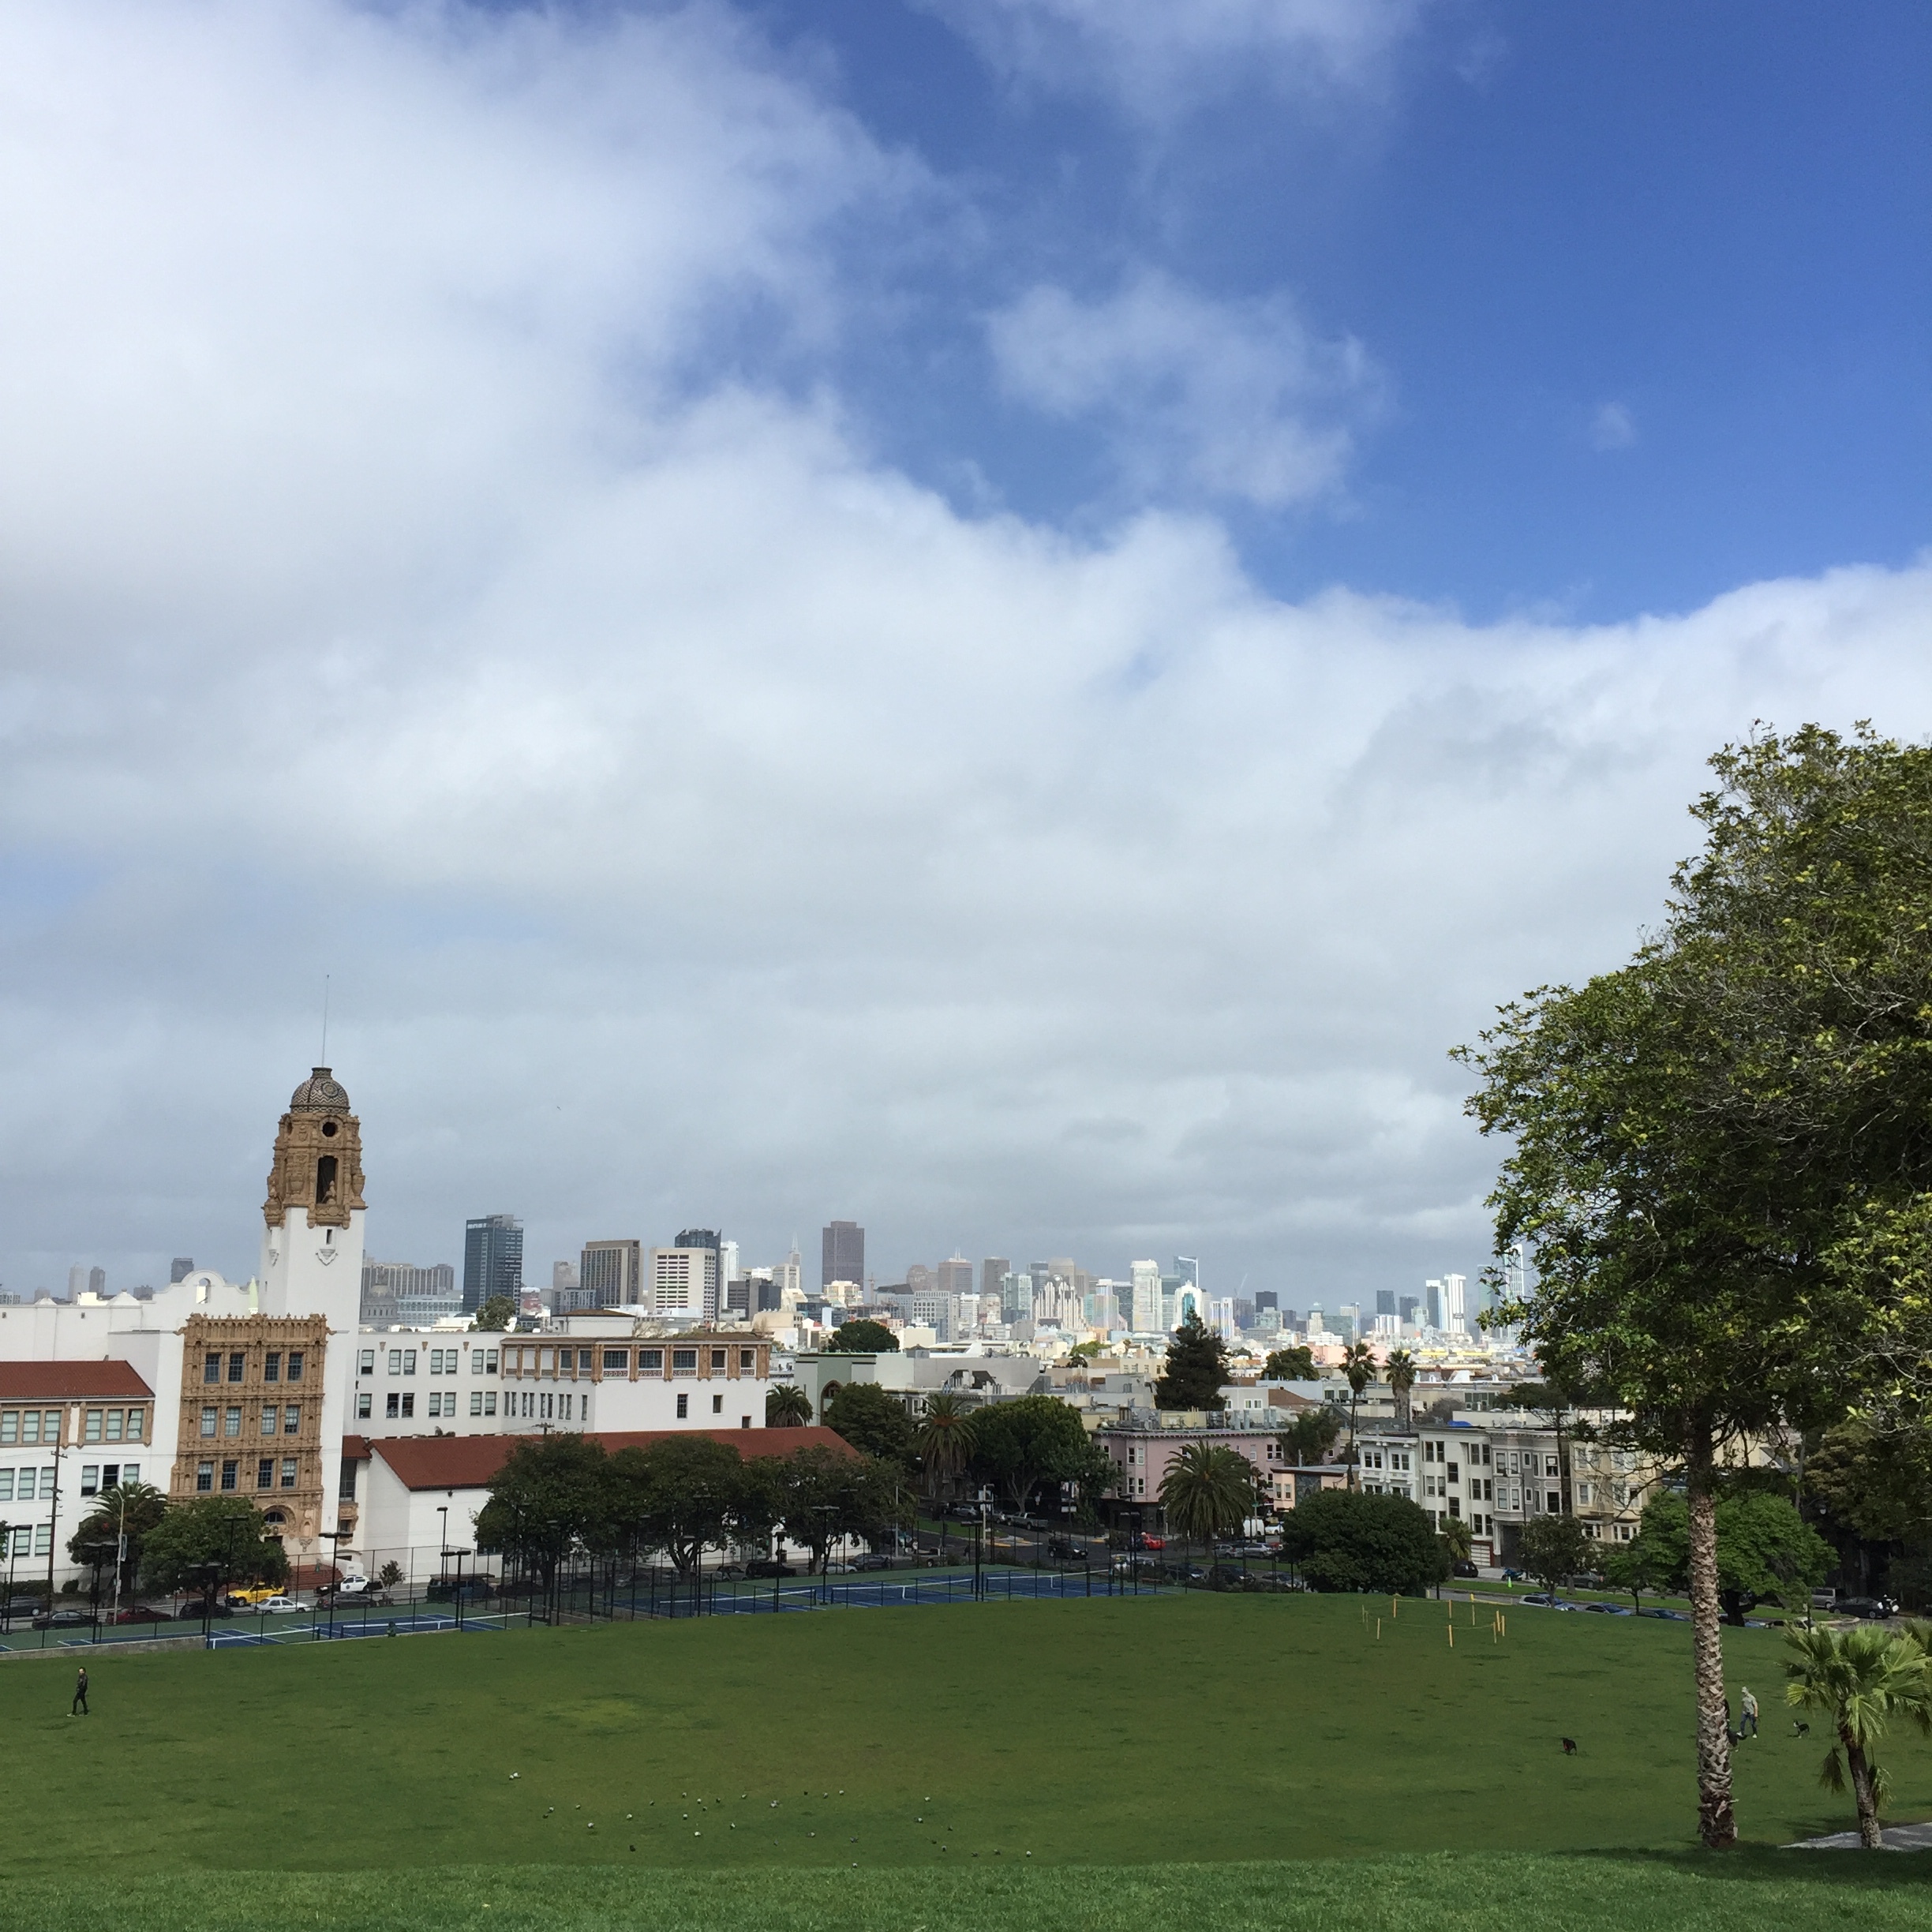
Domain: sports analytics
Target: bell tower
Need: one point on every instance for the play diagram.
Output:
(312, 1241)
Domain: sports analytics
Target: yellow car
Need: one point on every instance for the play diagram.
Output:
(247, 1599)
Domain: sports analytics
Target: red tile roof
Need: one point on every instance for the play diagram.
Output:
(469, 1462)
(355, 1449)
(70, 1381)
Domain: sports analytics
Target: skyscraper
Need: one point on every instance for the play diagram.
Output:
(1143, 1310)
(955, 1276)
(844, 1255)
(993, 1270)
(180, 1268)
(97, 1281)
(610, 1274)
(1385, 1301)
(492, 1260)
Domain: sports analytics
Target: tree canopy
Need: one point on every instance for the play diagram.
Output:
(1765, 1549)
(873, 1420)
(1349, 1540)
(1208, 1490)
(209, 1541)
(1290, 1364)
(1195, 1368)
(787, 1406)
(495, 1315)
(1032, 1440)
(863, 1337)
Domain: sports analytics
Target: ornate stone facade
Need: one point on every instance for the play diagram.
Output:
(253, 1412)
(318, 1156)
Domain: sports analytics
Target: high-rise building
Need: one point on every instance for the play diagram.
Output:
(97, 1281)
(76, 1282)
(180, 1268)
(1144, 1313)
(844, 1257)
(610, 1273)
(1432, 1304)
(919, 1279)
(397, 1295)
(492, 1260)
(1016, 1297)
(1456, 1304)
(955, 1276)
(1266, 1298)
(684, 1280)
(1385, 1302)
(1406, 1307)
(562, 1276)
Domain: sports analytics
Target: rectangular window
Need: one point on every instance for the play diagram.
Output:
(395, 1409)
(130, 1473)
(137, 1424)
(435, 1402)
(208, 1420)
(684, 1362)
(744, 1421)
(90, 1479)
(684, 1407)
(717, 1405)
(270, 1421)
(366, 1361)
(1583, 1492)
(747, 1362)
(288, 1473)
(1549, 1466)
(231, 1472)
(436, 1361)
(651, 1361)
(345, 1485)
(237, 1366)
(363, 1406)
(294, 1365)
(476, 1402)
(111, 1476)
(291, 1421)
(548, 1412)
(409, 1362)
(546, 1361)
(489, 1403)
(1455, 1506)
(231, 1423)
(204, 1475)
(1455, 1471)
(409, 1404)
(717, 1362)
(7, 1485)
(272, 1366)
(583, 1360)
(264, 1474)
(43, 1539)
(395, 1362)
(9, 1426)
(114, 1425)
(476, 1362)
(90, 1427)
(50, 1425)
(616, 1361)
(211, 1367)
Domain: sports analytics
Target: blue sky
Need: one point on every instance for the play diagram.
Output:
(1001, 618)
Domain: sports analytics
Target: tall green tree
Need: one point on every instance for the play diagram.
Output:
(1290, 1364)
(1208, 1491)
(787, 1406)
(1310, 1434)
(1721, 1153)
(209, 1543)
(1400, 1370)
(1348, 1540)
(1196, 1369)
(495, 1316)
(1022, 1443)
(682, 1494)
(1553, 1549)
(825, 1494)
(873, 1420)
(1860, 1680)
(943, 1439)
(1358, 1365)
(863, 1337)
(1637, 1566)
(1764, 1549)
(554, 1494)
(129, 1510)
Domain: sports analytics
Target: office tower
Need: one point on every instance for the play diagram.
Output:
(843, 1255)
(920, 1279)
(1456, 1304)
(684, 1281)
(97, 1281)
(1221, 1317)
(180, 1268)
(1266, 1298)
(955, 1276)
(492, 1260)
(562, 1276)
(1432, 1304)
(1406, 1307)
(76, 1282)
(1243, 1313)
(791, 1276)
(993, 1271)
(1349, 1316)
(1385, 1302)
(727, 1260)
(1143, 1310)
(707, 1240)
(738, 1293)
(1016, 1297)
(610, 1274)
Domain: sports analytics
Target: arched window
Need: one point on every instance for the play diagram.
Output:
(325, 1179)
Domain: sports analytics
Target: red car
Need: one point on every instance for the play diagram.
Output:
(1150, 1542)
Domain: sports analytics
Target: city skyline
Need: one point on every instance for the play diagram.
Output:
(1008, 618)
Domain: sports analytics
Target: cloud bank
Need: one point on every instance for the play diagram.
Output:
(410, 573)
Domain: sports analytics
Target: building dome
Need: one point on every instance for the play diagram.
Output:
(320, 1093)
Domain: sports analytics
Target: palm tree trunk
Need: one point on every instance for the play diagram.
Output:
(1865, 1789)
(1354, 1479)
(1716, 1820)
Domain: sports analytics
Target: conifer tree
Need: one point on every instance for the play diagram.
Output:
(1196, 1367)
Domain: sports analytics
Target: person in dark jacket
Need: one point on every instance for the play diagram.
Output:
(79, 1707)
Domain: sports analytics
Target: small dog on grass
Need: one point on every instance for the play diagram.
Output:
(1569, 1745)
(1799, 1728)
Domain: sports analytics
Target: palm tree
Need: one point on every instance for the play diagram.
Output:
(1358, 1364)
(1207, 1490)
(787, 1407)
(1859, 1679)
(1456, 1540)
(943, 1441)
(1402, 1375)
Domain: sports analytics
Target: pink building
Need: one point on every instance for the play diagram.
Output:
(1142, 1455)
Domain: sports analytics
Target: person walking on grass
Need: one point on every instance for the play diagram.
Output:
(1747, 1714)
(79, 1707)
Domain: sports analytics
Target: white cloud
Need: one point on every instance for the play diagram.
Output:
(1158, 56)
(1612, 427)
(703, 824)
(1227, 399)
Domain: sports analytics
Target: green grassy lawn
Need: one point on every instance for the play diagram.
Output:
(915, 1768)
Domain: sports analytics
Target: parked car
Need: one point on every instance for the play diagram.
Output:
(1865, 1606)
(443, 1589)
(143, 1613)
(1463, 1567)
(352, 1585)
(765, 1566)
(1147, 1543)
(873, 1559)
(280, 1606)
(838, 1568)
(1605, 1609)
(1065, 1548)
(1669, 1616)
(63, 1619)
